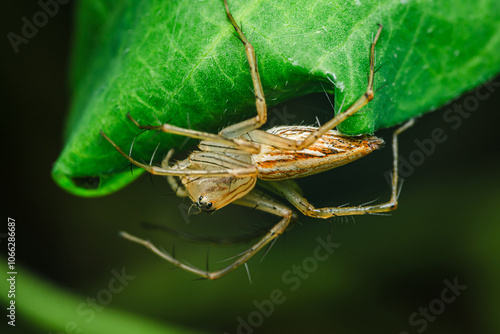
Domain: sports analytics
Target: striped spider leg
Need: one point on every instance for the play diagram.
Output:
(249, 128)
(254, 199)
(226, 167)
(288, 190)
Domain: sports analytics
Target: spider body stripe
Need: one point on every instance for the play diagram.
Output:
(329, 151)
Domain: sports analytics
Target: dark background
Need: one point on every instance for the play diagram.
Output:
(384, 270)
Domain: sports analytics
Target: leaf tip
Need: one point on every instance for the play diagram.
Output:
(92, 185)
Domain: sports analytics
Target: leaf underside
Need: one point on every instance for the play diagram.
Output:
(180, 62)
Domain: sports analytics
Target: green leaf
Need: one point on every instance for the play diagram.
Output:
(55, 310)
(180, 62)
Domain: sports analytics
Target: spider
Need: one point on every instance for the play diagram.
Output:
(226, 166)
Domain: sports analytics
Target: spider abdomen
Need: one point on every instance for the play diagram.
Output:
(329, 151)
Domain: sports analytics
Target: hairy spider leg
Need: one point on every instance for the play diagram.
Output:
(264, 137)
(288, 190)
(234, 167)
(254, 199)
(238, 143)
(241, 128)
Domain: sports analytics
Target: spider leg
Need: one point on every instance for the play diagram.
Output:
(291, 194)
(238, 143)
(233, 167)
(174, 183)
(253, 199)
(243, 127)
(264, 137)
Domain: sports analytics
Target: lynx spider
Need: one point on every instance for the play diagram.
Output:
(225, 168)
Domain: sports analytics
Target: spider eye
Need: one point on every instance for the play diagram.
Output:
(209, 205)
(200, 199)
